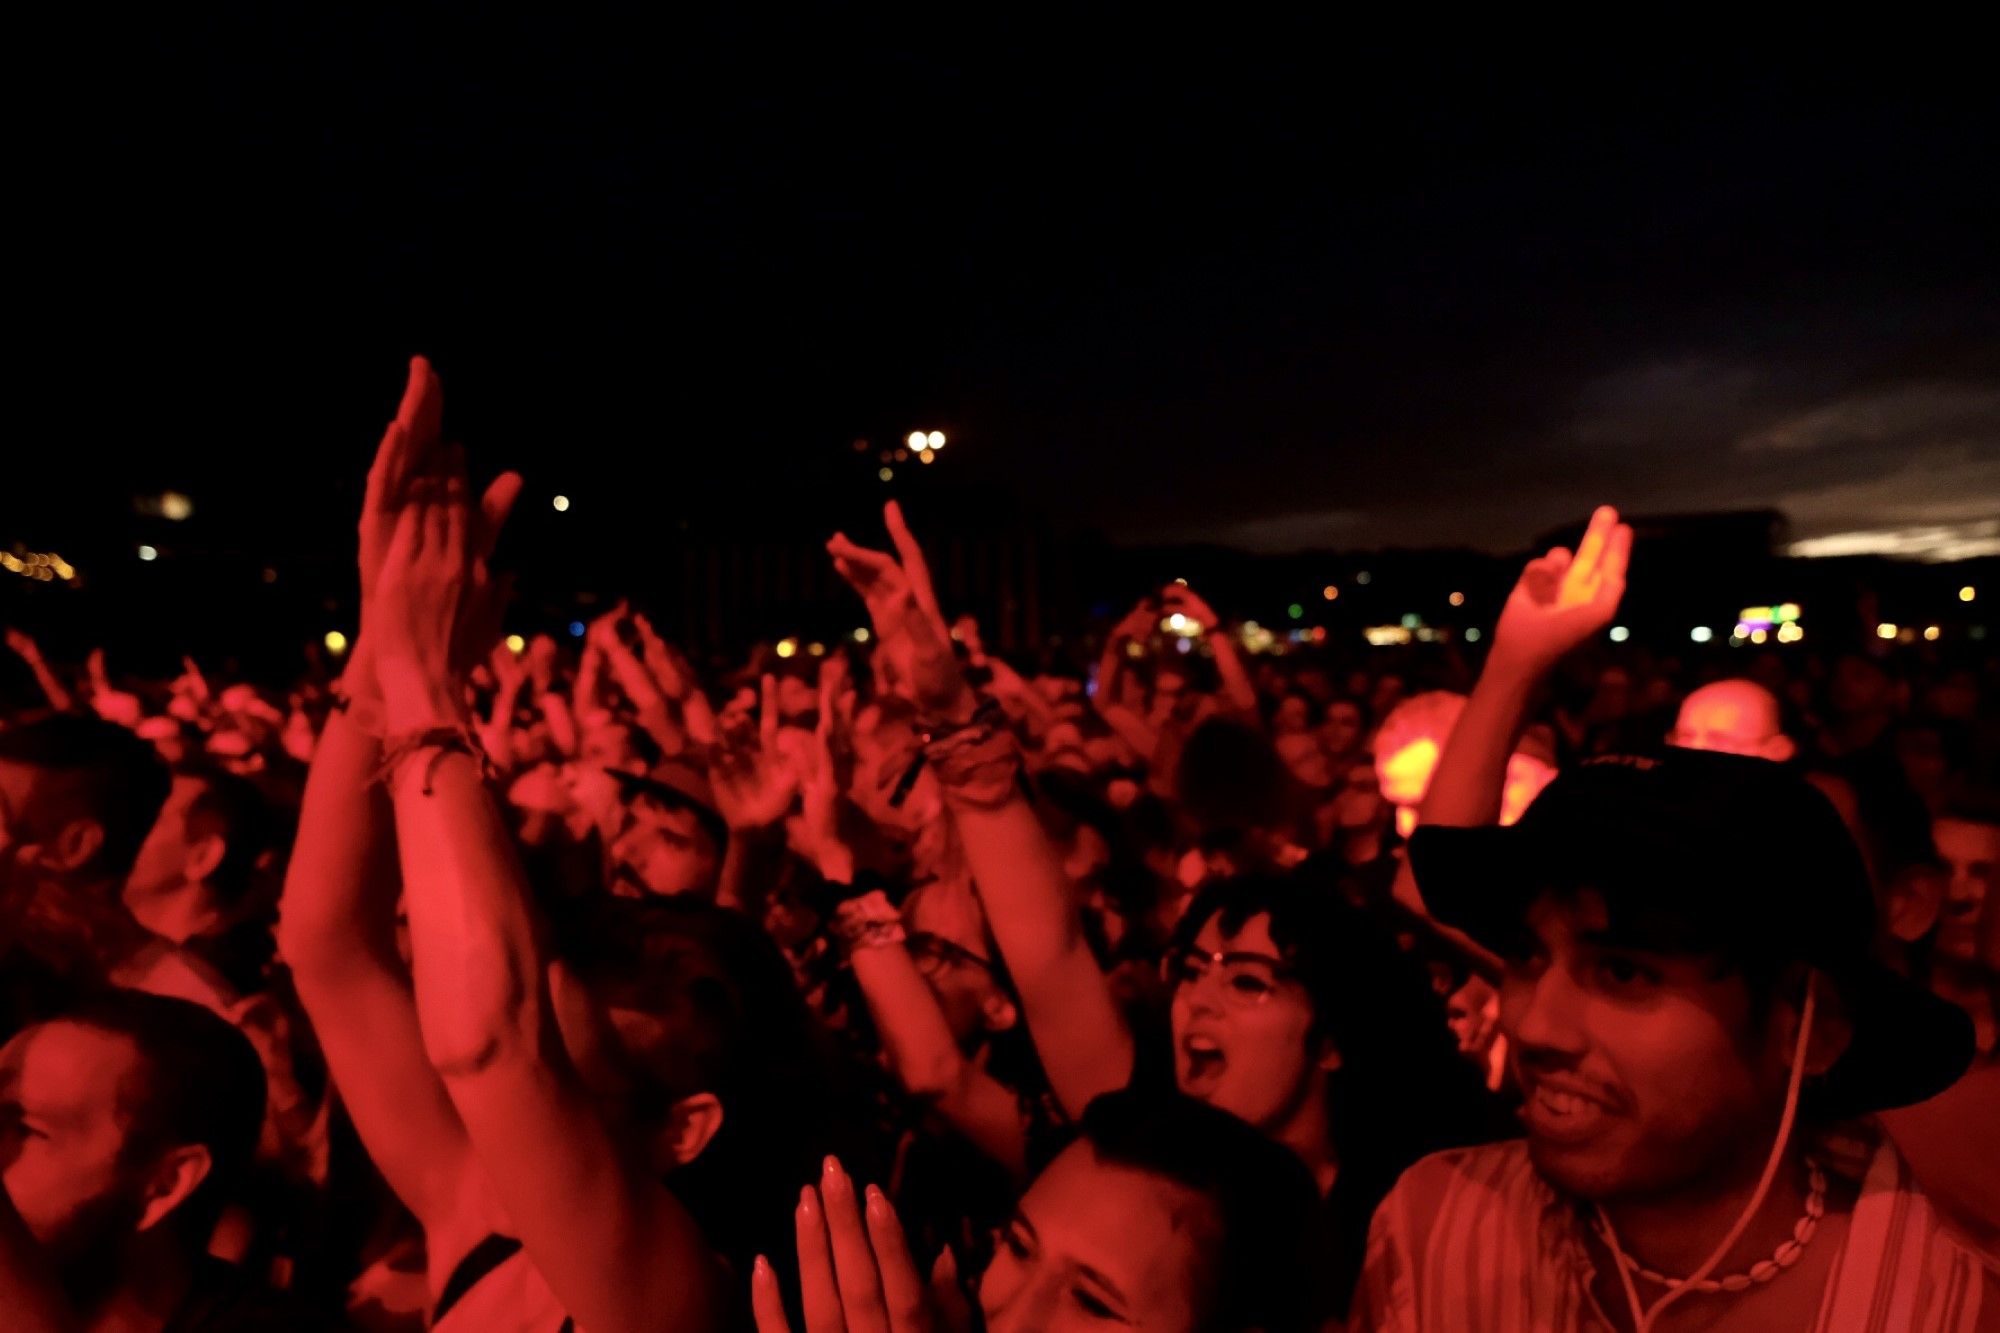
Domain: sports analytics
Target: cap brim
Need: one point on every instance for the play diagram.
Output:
(1476, 880)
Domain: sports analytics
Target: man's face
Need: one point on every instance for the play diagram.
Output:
(62, 1139)
(1097, 1245)
(1972, 853)
(1243, 1027)
(1641, 1072)
(662, 849)
(162, 860)
(1342, 729)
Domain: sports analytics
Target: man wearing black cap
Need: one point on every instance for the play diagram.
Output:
(1696, 1023)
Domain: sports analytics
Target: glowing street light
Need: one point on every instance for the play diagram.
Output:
(788, 647)
(336, 642)
(1329, 592)
(1457, 599)
(1931, 633)
(175, 507)
(919, 440)
(1619, 634)
(886, 473)
(1701, 634)
(1967, 593)
(516, 644)
(1885, 630)
(561, 502)
(935, 439)
(148, 553)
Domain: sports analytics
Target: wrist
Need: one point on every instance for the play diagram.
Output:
(415, 699)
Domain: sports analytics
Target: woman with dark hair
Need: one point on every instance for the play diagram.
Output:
(1276, 987)
(1163, 1214)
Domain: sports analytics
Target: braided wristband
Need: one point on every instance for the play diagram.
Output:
(440, 741)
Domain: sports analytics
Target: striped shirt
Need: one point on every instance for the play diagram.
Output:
(1475, 1241)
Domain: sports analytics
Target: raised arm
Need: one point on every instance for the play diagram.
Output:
(1559, 602)
(1079, 1033)
(57, 693)
(614, 1245)
(337, 923)
(1237, 689)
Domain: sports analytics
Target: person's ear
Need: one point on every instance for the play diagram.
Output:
(75, 846)
(1831, 1028)
(1911, 906)
(691, 1126)
(998, 1011)
(1779, 749)
(179, 1173)
(203, 858)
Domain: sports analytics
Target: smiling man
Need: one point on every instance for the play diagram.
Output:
(1696, 1025)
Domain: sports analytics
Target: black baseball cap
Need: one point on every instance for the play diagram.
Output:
(1710, 852)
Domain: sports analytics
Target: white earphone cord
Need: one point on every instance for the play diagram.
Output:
(1643, 1318)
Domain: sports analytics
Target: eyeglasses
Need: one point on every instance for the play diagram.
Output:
(933, 952)
(1248, 979)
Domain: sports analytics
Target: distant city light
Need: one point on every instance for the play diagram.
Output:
(576, 628)
(148, 553)
(1931, 633)
(1295, 611)
(861, 636)
(516, 644)
(1457, 599)
(927, 456)
(1472, 635)
(1701, 634)
(1759, 635)
(336, 642)
(919, 440)
(270, 575)
(1967, 593)
(935, 439)
(816, 649)
(1885, 630)
(788, 647)
(1619, 634)
(175, 506)
(561, 502)
(1364, 578)
(1789, 632)
(886, 473)
(1329, 592)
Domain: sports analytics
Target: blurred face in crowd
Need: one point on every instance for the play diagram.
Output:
(1641, 1071)
(1859, 688)
(946, 935)
(64, 1155)
(1243, 1027)
(1732, 717)
(1307, 762)
(1341, 732)
(1971, 852)
(1292, 717)
(164, 889)
(662, 849)
(1360, 806)
(1100, 1245)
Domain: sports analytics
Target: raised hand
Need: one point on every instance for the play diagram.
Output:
(405, 454)
(24, 645)
(1562, 600)
(412, 618)
(904, 609)
(854, 1276)
(1140, 623)
(753, 784)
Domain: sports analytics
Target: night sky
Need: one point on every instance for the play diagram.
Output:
(1268, 287)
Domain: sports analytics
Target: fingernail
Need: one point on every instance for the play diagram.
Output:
(831, 1167)
(878, 1207)
(807, 1199)
(760, 1269)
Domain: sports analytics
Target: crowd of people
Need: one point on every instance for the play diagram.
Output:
(906, 988)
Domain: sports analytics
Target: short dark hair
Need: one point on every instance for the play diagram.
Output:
(233, 809)
(98, 769)
(1231, 778)
(199, 1082)
(1266, 1208)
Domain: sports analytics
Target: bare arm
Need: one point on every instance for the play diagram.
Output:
(1560, 602)
(51, 684)
(614, 1245)
(1078, 1031)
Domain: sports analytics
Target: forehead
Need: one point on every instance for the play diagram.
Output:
(1254, 936)
(66, 1067)
(1134, 1227)
(1968, 839)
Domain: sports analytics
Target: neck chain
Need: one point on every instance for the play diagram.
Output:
(1763, 1270)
